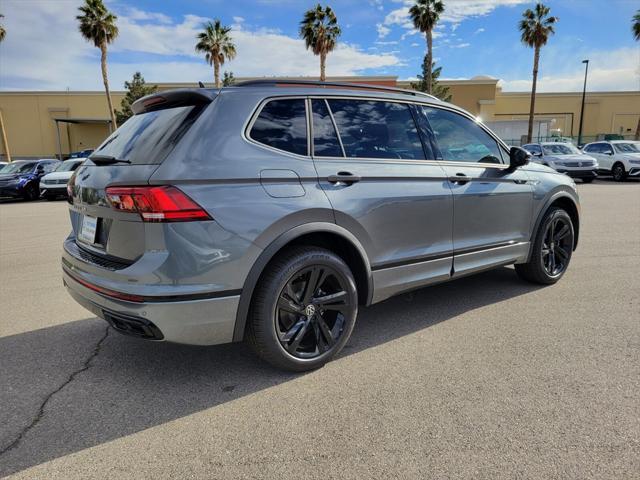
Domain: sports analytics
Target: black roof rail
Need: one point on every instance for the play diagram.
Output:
(318, 83)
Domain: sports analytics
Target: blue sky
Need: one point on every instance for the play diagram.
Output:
(474, 37)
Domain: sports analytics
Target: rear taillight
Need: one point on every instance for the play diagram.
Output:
(156, 204)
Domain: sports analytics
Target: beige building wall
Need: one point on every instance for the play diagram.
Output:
(31, 132)
(30, 127)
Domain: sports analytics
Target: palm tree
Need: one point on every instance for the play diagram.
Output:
(320, 31)
(98, 25)
(425, 14)
(535, 27)
(3, 32)
(217, 45)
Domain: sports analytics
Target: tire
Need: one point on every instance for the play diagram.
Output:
(587, 180)
(285, 319)
(549, 261)
(31, 192)
(618, 172)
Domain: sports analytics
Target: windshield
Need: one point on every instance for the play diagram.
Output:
(148, 138)
(18, 167)
(626, 148)
(68, 166)
(560, 149)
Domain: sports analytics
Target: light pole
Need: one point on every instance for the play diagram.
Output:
(584, 92)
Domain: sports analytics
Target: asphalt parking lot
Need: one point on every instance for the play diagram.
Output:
(485, 377)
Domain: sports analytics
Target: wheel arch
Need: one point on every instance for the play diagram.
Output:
(325, 235)
(565, 201)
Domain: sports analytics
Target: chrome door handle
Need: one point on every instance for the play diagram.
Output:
(344, 177)
(460, 179)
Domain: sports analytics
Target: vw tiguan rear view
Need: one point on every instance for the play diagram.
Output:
(270, 211)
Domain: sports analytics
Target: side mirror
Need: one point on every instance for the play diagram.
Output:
(39, 169)
(518, 157)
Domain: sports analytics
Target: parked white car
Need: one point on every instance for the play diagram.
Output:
(619, 158)
(54, 184)
(564, 158)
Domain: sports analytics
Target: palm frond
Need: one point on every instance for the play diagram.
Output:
(425, 14)
(536, 26)
(215, 42)
(319, 29)
(97, 24)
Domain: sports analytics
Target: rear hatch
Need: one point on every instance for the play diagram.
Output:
(128, 158)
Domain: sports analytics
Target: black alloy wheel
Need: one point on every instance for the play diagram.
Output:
(311, 311)
(303, 309)
(557, 246)
(31, 192)
(618, 172)
(551, 250)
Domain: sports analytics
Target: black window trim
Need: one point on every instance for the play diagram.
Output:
(260, 105)
(246, 133)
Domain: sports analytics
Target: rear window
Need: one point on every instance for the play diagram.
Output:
(149, 137)
(282, 124)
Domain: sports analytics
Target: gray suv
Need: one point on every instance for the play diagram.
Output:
(270, 211)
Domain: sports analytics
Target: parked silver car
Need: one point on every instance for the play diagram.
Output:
(564, 158)
(54, 184)
(270, 211)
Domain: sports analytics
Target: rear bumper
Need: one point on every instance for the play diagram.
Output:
(207, 321)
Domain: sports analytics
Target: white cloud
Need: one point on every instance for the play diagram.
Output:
(383, 31)
(461, 45)
(166, 46)
(480, 30)
(608, 70)
(455, 11)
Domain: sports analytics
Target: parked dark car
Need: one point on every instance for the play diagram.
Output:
(271, 211)
(21, 179)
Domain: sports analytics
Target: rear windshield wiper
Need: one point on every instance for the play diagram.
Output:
(107, 159)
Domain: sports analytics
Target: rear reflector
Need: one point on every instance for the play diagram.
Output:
(156, 204)
(105, 291)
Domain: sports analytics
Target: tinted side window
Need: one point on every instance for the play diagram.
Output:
(373, 129)
(591, 148)
(282, 124)
(460, 139)
(325, 138)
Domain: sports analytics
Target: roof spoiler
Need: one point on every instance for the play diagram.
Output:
(173, 98)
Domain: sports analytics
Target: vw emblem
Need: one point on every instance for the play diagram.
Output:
(310, 311)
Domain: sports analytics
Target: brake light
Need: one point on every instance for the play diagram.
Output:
(156, 204)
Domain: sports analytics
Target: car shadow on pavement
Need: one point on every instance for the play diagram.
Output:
(74, 386)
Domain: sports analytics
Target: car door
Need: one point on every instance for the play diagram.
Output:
(603, 152)
(386, 188)
(492, 204)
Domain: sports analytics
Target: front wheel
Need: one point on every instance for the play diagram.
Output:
(551, 250)
(618, 172)
(31, 192)
(303, 310)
